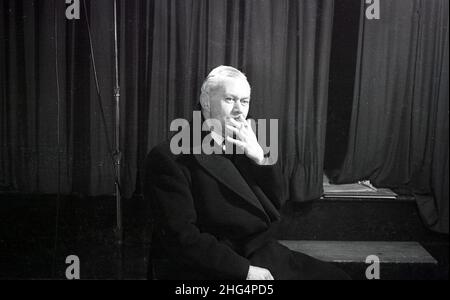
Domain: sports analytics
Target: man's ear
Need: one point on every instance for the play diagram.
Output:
(204, 102)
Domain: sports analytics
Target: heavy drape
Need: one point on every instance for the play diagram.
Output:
(399, 128)
(166, 49)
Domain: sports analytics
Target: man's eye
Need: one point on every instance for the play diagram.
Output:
(228, 99)
(245, 102)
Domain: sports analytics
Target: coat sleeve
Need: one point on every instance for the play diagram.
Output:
(170, 191)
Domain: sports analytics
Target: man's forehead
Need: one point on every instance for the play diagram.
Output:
(235, 86)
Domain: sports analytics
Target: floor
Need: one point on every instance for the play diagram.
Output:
(34, 243)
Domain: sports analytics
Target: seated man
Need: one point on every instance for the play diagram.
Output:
(213, 213)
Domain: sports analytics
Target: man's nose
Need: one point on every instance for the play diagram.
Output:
(237, 108)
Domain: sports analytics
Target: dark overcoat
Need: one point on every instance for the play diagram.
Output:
(214, 216)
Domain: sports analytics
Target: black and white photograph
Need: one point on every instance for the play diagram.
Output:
(217, 142)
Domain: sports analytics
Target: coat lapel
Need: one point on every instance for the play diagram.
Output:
(225, 172)
(243, 166)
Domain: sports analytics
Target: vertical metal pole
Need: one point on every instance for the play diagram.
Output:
(117, 153)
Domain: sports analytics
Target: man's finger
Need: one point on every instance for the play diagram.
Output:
(236, 142)
(243, 120)
(233, 129)
(233, 132)
(234, 123)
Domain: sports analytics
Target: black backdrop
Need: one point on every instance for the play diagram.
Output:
(166, 49)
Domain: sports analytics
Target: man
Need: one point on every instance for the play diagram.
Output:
(214, 213)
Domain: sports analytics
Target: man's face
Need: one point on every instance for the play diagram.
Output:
(230, 99)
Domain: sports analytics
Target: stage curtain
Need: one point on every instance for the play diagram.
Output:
(399, 127)
(167, 47)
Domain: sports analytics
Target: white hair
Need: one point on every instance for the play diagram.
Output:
(218, 74)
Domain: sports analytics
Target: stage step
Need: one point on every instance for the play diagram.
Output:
(355, 252)
(354, 220)
(398, 260)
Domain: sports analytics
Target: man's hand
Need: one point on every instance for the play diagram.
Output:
(246, 139)
(257, 273)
